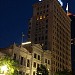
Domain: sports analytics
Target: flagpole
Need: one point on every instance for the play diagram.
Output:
(22, 37)
(67, 8)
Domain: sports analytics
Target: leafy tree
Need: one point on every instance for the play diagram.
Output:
(42, 70)
(12, 65)
(64, 72)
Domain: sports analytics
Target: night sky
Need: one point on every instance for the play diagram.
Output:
(14, 15)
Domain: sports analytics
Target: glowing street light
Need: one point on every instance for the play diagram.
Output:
(4, 68)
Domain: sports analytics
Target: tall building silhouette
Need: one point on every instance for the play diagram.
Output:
(50, 27)
(73, 42)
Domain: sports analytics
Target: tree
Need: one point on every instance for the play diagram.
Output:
(42, 70)
(8, 66)
(64, 72)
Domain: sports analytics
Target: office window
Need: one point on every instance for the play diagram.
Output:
(47, 5)
(14, 57)
(37, 18)
(38, 65)
(34, 65)
(34, 73)
(35, 39)
(47, 21)
(45, 60)
(48, 61)
(46, 31)
(35, 55)
(40, 17)
(28, 63)
(21, 62)
(38, 57)
(47, 10)
(44, 16)
(46, 25)
(46, 37)
(24, 62)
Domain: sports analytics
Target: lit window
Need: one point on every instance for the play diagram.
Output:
(37, 18)
(40, 17)
(44, 16)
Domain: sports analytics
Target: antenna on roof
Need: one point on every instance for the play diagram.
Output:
(22, 36)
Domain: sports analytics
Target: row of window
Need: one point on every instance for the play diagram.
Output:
(58, 22)
(60, 66)
(35, 65)
(59, 13)
(41, 38)
(42, 17)
(59, 44)
(41, 6)
(63, 58)
(37, 56)
(22, 60)
(47, 61)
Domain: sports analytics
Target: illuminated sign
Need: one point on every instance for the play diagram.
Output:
(61, 3)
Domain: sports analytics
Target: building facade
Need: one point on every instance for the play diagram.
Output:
(50, 26)
(29, 58)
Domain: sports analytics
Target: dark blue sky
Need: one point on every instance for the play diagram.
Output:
(14, 15)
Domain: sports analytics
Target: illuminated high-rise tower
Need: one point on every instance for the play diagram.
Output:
(50, 26)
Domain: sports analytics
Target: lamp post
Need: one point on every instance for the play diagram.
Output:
(4, 69)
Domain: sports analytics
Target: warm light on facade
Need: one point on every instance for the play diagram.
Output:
(44, 16)
(37, 18)
(26, 43)
(40, 17)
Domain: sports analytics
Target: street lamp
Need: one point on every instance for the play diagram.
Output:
(4, 69)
